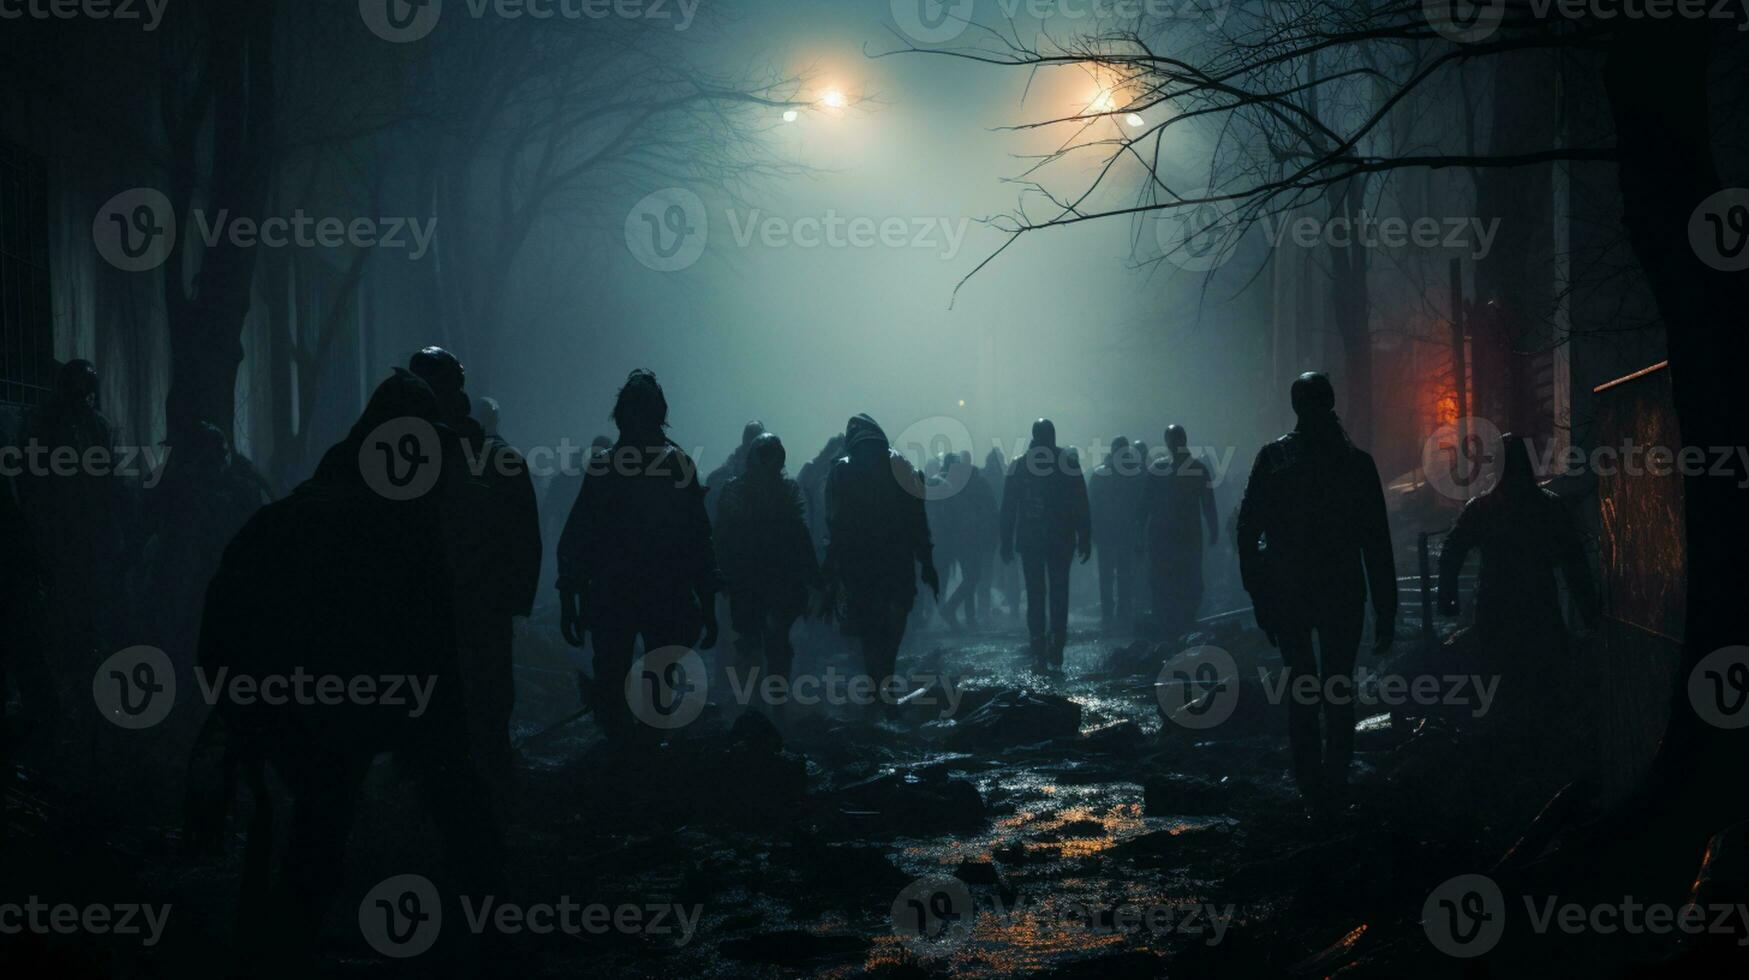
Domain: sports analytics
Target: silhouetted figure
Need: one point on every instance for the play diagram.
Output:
(812, 479)
(493, 540)
(1114, 493)
(1045, 517)
(204, 496)
(965, 536)
(340, 580)
(1524, 534)
(1313, 542)
(1003, 576)
(636, 559)
(877, 544)
(1177, 498)
(767, 559)
(562, 490)
(77, 515)
(733, 466)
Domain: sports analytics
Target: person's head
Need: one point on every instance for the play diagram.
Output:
(765, 457)
(949, 462)
(77, 384)
(488, 414)
(751, 431)
(641, 408)
(1044, 433)
(447, 377)
(864, 439)
(601, 442)
(401, 395)
(995, 459)
(1177, 440)
(1517, 475)
(1312, 396)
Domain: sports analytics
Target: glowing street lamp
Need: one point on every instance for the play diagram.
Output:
(790, 115)
(1135, 121)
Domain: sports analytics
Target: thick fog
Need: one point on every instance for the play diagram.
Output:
(784, 320)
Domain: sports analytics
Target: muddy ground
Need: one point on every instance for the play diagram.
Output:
(1045, 824)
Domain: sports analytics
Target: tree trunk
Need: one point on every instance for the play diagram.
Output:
(1657, 82)
(206, 328)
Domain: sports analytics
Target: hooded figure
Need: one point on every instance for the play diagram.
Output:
(1524, 534)
(492, 539)
(877, 544)
(1178, 496)
(965, 533)
(1313, 542)
(732, 467)
(1114, 494)
(339, 579)
(767, 559)
(1045, 517)
(636, 559)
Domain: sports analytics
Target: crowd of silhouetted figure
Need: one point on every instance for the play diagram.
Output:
(371, 567)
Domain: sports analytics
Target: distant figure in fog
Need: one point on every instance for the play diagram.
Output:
(812, 479)
(1178, 497)
(877, 544)
(1045, 518)
(1313, 542)
(493, 543)
(965, 536)
(767, 559)
(636, 559)
(1114, 494)
(731, 467)
(1003, 577)
(1525, 535)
